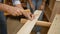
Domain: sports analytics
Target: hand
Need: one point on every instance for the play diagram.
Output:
(32, 6)
(14, 11)
(28, 14)
(41, 7)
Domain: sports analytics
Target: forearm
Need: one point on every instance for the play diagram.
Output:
(41, 7)
(43, 2)
(19, 6)
(30, 2)
(3, 7)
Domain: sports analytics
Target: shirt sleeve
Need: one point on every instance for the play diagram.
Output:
(15, 2)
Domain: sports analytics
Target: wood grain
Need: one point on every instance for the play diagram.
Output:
(28, 26)
(38, 23)
(55, 27)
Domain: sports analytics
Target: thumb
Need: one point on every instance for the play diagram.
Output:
(29, 17)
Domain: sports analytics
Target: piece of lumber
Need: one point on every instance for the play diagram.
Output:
(57, 0)
(55, 10)
(38, 23)
(28, 26)
(55, 26)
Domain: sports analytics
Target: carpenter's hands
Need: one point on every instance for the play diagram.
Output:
(14, 11)
(28, 14)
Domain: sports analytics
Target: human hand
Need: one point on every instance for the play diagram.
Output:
(41, 7)
(14, 11)
(32, 6)
(28, 14)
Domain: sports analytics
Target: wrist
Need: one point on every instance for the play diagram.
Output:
(31, 4)
(19, 6)
(1, 6)
(7, 8)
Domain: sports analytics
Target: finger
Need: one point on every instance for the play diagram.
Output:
(29, 17)
(33, 17)
(18, 12)
(21, 11)
(13, 14)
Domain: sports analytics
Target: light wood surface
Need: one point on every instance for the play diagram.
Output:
(57, 0)
(55, 27)
(38, 23)
(55, 10)
(28, 26)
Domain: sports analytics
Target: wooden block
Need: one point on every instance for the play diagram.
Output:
(38, 23)
(55, 27)
(28, 26)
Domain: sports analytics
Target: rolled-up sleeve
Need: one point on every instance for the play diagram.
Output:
(15, 2)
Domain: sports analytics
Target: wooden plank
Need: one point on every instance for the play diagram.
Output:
(51, 4)
(57, 0)
(48, 12)
(56, 9)
(38, 23)
(28, 26)
(55, 27)
(49, 8)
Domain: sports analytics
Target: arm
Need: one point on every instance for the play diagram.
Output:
(41, 7)
(31, 4)
(4, 7)
(10, 10)
(28, 14)
(43, 2)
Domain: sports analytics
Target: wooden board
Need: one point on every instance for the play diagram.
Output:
(28, 26)
(57, 0)
(51, 4)
(55, 10)
(49, 8)
(47, 12)
(55, 27)
(38, 23)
